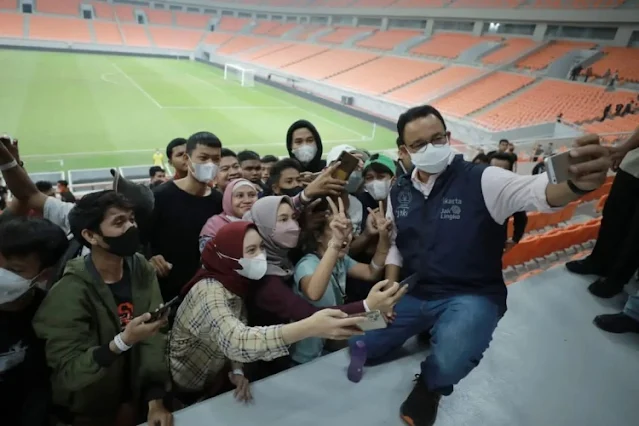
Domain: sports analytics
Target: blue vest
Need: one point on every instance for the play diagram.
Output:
(449, 240)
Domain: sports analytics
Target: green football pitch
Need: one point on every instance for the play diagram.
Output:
(81, 111)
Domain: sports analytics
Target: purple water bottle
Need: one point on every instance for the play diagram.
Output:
(358, 359)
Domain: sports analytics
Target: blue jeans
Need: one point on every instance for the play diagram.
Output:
(632, 307)
(461, 329)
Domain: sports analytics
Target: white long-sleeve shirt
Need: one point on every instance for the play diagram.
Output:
(505, 193)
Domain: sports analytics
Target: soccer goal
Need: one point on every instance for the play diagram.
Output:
(244, 76)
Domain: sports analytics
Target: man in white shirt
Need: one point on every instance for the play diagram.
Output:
(448, 216)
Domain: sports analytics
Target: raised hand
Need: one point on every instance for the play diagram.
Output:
(341, 226)
(384, 296)
(325, 184)
(139, 329)
(591, 174)
(381, 224)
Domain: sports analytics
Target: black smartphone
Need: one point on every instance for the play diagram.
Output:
(348, 165)
(165, 309)
(410, 280)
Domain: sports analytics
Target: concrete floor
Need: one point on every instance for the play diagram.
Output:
(548, 365)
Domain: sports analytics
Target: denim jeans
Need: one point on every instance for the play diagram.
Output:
(632, 307)
(461, 329)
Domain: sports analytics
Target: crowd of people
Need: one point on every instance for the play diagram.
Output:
(266, 262)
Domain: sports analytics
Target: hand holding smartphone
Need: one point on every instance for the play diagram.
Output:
(164, 310)
(558, 167)
(375, 320)
(348, 164)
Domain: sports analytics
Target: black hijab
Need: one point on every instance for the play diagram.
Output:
(316, 164)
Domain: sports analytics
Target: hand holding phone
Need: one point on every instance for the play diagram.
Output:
(348, 164)
(164, 310)
(374, 320)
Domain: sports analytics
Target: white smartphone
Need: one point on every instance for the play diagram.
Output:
(375, 320)
(558, 167)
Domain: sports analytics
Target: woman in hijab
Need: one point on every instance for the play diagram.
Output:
(239, 197)
(304, 143)
(210, 340)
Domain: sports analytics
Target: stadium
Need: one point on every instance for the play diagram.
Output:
(88, 86)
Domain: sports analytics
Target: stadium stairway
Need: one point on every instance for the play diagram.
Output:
(413, 81)
(404, 47)
(26, 25)
(117, 22)
(313, 38)
(92, 31)
(148, 35)
(472, 55)
(290, 34)
(350, 42)
(506, 98)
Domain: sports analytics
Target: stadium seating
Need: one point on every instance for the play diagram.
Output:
(625, 60)
(435, 84)
(217, 39)
(329, 63)
(8, 4)
(483, 4)
(103, 10)
(511, 48)
(107, 33)
(240, 43)
(340, 34)
(124, 13)
(258, 52)
(191, 20)
(421, 3)
(134, 35)
(59, 7)
(58, 28)
(543, 102)
(482, 93)
(157, 17)
(449, 45)
(282, 29)
(627, 123)
(173, 38)
(11, 25)
(291, 55)
(308, 31)
(387, 40)
(575, 4)
(232, 24)
(554, 50)
(373, 3)
(264, 27)
(384, 74)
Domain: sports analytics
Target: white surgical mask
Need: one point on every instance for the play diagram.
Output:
(12, 286)
(305, 153)
(204, 172)
(379, 189)
(253, 268)
(432, 158)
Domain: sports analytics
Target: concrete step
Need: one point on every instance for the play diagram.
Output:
(505, 98)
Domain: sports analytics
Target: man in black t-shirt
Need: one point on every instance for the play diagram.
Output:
(182, 207)
(29, 247)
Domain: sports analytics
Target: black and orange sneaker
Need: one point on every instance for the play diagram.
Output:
(420, 408)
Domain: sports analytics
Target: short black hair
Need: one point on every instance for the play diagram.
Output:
(504, 156)
(399, 142)
(269, 159)
(63, 182)
(482, 159)
(503, 140)
(227, 153)
(278, 168)
(247, 155)
(413, 114)
(88, 212)
(174, 144)
(21, 236)
(44, 186)
(155, 169)
(202, 138)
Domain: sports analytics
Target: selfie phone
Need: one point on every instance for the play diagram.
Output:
(558, 167)
(348, 164)
(375, 320)
(410, 280)
(164, 309)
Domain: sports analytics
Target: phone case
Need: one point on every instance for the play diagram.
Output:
(375, 320)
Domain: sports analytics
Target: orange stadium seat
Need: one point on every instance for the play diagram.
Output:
(11, 25)
(240, 43)
(483, 4)
(55, 28)
(191, 20)
(332, 3)
(282, 3)
(544, 101)
(555, 50)
(308, 32)
(329, 63)
(433, 85)
(134, 35)
(8, 4)
(387, 40)
(482, 93)
(340, 34)
(124, 12)
(373, 3)
(625, 60)
(282, 29)
(384, 74)
(449, 45)
(263, 27)
(59, 7)
(157, 17)
(292, 55)
(422, 3)
(511, 48)
(103, 10)
(575, 4)
(627, 123)
(174, 38)
(217, 39)
(265, 50)
(232, 24)
(107, 33)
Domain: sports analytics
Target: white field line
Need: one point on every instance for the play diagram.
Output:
(133, 151)
(228, 107)
(104, 77)
(137, 86)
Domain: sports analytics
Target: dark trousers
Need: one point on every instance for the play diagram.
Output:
(616, 253)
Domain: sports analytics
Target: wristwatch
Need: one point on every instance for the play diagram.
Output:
(576, 190)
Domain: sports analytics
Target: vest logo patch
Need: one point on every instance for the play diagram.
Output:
(451, 209)
(404, 198)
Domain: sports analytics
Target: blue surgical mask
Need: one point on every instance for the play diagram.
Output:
(13, 286)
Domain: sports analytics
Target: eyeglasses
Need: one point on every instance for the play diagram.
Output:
(439, 139)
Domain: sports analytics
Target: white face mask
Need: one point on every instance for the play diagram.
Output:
(12, 286)
(253, 268)
(432, 158)
(379, 189)
(204, 172)
(305, 153)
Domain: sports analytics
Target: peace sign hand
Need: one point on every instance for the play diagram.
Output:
(341, 226)
(382, 225)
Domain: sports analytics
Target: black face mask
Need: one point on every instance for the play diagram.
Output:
(126, 244)
(292, 192)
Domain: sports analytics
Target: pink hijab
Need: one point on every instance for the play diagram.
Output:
(210, 228)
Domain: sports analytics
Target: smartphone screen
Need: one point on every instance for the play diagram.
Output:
(348, 165)
(162, 311)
